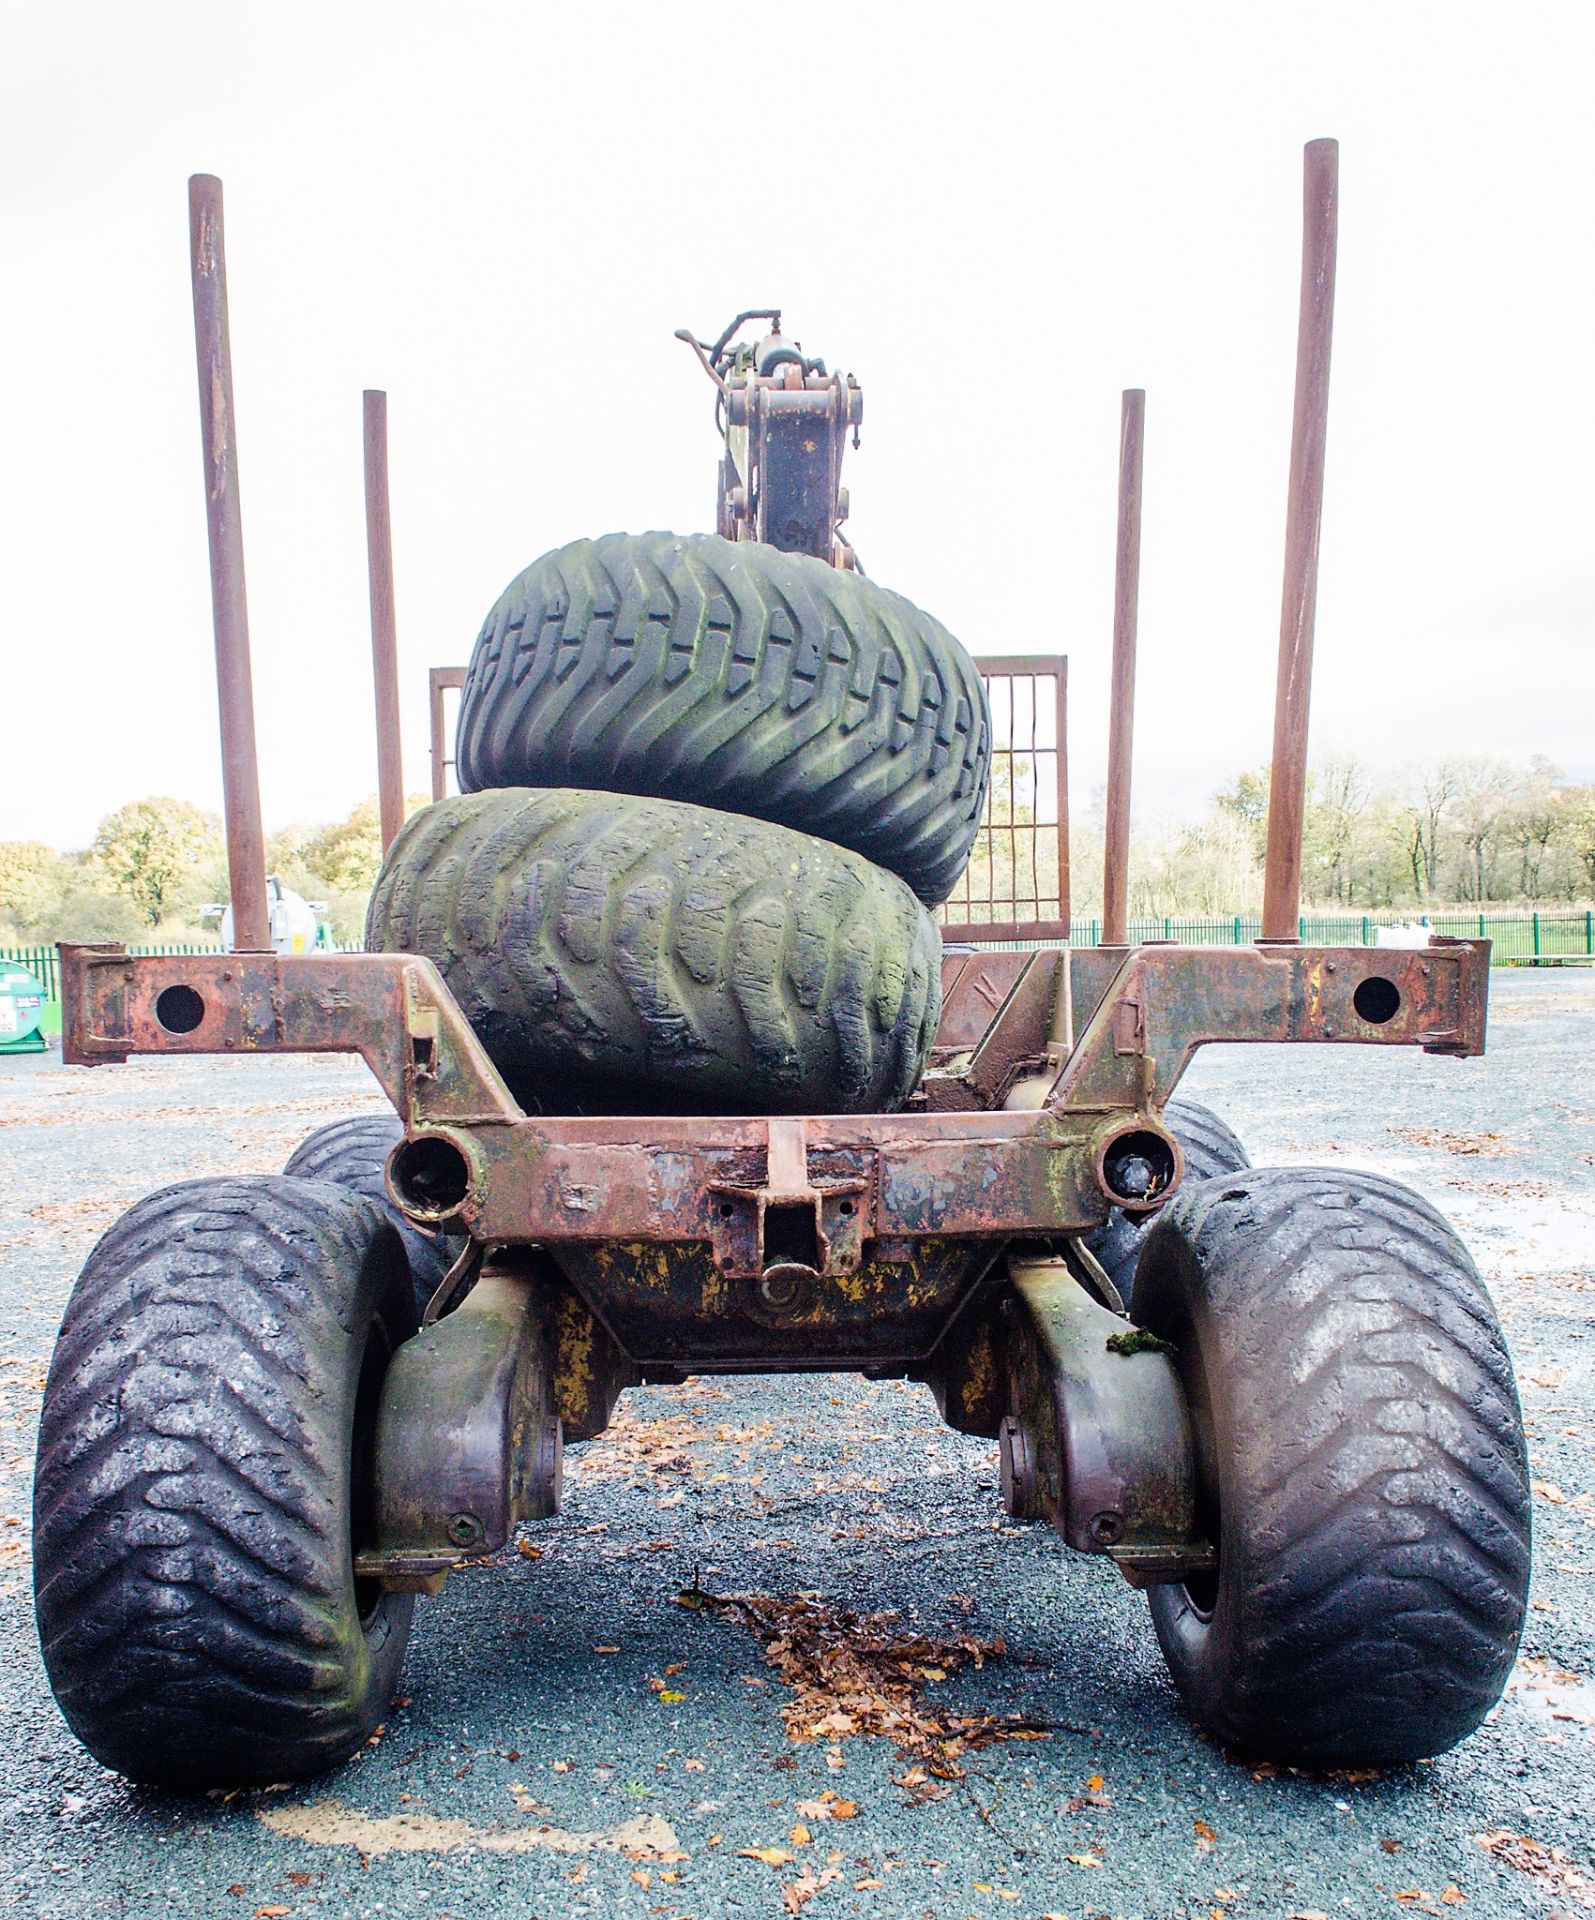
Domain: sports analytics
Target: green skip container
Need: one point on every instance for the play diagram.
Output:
(21, 1005)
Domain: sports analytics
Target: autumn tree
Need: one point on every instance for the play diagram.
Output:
(1575, 807)
(153, 852)
(1246, 799)
(33, 878)
(1338, 799)
(1532, 822)
(1484, 792)
(347, 857)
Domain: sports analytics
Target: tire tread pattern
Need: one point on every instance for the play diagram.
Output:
(191, 1517)
(1376, 1517)
(735, 676)
(646, 955)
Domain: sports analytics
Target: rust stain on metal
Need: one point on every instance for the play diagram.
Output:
(246, 842)
(384, 638)
(678, 1231)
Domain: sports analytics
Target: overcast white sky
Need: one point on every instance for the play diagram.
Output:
(998, 216)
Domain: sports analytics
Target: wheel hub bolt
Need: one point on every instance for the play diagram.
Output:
(1106, 1528)
(465, 1530)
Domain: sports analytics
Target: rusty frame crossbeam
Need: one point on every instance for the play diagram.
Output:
(979, 1171)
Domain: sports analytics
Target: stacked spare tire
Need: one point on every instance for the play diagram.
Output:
(710, 792)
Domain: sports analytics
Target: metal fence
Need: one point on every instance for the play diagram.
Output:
(441, 683)
(44, 962)
(1518, 937)
(1567, 934)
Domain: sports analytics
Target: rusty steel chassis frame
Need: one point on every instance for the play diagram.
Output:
(943, 1243)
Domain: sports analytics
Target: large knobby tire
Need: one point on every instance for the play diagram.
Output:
(1363, 1466)
(203, 1471)
(618, 954)
(354, 1153)
(733, 675)
(1210, 1146)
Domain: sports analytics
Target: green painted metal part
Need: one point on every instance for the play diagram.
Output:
(22, 1001)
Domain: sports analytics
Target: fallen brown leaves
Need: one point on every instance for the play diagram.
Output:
(853, 1673)
(1466, 1144)
(796, 1894)
(638, 1450)
(1559, 1280)
(1506, 1189)
(828, 1806)
(1551, 1870)
(1553, 1496)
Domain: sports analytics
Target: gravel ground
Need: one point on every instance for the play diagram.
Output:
(559, 1703)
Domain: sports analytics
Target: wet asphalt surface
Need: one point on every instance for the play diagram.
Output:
(559, 1704)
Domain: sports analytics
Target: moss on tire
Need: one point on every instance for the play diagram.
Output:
(736, 676)
(623, 954)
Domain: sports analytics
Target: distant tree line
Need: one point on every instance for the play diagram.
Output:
(156, 862)
(1459, 831)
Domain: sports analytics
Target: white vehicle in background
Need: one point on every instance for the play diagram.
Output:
(296, 923)
(1412, 935)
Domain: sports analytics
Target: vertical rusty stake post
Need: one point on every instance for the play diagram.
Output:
(1287, 790)
(246, 844)
(1121, 720)
(384, 642)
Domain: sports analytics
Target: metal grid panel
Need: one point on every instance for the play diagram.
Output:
(1016, 886)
